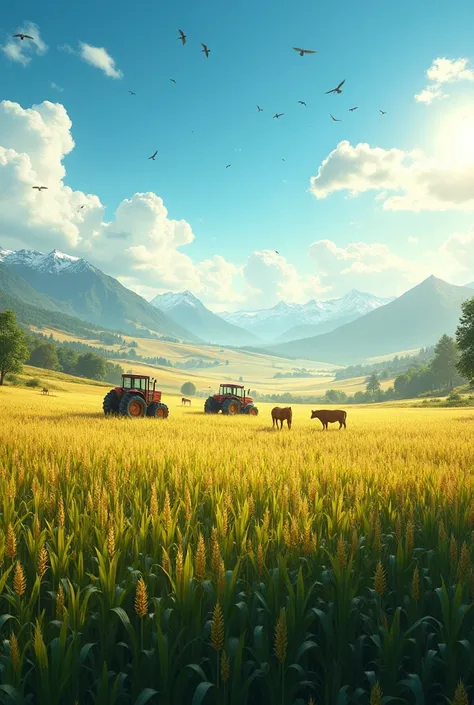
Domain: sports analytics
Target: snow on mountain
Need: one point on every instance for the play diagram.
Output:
(273, 322)
(50, 263)
(169, 301)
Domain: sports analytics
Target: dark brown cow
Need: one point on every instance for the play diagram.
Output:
(330, 416)
(45, 391)
(185, 402)
(280, 414)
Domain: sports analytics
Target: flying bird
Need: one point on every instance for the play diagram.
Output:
(40, 188)
(278, 115)
(335, 119)
(153, 155)
(81, 207)
(228, 165)
(172, 80)
(276, 252)
(351, 110)
(259, 109)
(283, 160)
(205, 50)
(383, 112)
(132, 93)
(23, 36)
(337, 89)
(182, 36)
(301, 102)
(302, 52)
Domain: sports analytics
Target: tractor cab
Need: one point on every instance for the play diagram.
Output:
(236, 390)
(140, 384)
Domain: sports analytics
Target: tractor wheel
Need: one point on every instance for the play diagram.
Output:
(157, 410)
(111, 402)
(132, 405)
(211, 406)
(250, 409)
(231, 407)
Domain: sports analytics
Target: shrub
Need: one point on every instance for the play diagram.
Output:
(33, 382)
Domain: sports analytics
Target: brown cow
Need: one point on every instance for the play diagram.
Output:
(185, 402)
(280, 414)
(45, 391)
(330, 416)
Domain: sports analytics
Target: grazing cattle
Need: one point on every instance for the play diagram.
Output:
(329, 416)
(45, 391)
(280, 414)
(185, 402)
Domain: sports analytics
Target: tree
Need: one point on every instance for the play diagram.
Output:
(373, 385)
(465, 341)
(188, 389)
(45, 355)
(13, 350)
(444, 362)
(91, 366)
(68, 360)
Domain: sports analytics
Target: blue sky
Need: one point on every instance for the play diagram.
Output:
(209, 119)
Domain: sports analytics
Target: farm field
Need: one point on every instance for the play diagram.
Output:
(211, 560)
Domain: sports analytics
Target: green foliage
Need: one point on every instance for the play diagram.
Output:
(13, 349)
(91, 366)
(372, 385)
(189, 389)
(465, 341)
(34, 382)
(45, 355)
(444, 363)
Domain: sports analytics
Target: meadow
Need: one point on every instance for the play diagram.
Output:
(214, 561)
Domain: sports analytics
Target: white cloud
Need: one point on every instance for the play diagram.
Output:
(457, 253)
(140, 242)
(100, 58)
(56, 87)
(444, 71)
(271, 278)
(413, 240)
(371, 267)
(22, 51)
(421, 183)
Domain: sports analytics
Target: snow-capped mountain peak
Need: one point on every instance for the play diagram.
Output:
(170, 300)
(50, 263)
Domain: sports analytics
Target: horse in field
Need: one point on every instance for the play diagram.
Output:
(185, 402)
(280, 414)
(45, 391)
(330, 416)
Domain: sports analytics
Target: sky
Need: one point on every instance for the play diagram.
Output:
(309, 208)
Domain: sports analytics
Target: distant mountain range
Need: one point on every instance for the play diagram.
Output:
(289, 321)
(414, 320)
(190, 313)
(56, 281)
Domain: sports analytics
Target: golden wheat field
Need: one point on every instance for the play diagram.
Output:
(212, 561)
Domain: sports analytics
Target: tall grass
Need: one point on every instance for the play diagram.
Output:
(209, 560)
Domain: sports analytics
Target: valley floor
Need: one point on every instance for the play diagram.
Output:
(252, 565)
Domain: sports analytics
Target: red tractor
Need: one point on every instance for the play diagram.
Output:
(136, 398)
(231, 400)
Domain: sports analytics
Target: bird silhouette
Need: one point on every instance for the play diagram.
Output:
(302, 52)
(205, 50)
(283, 160)
(228, 165)
(132, 93)
(22, 36)
(301, 102)
(276, 252)
(182, 36)
(40, 188)
(83, 206)
(351, 110)
(172, 80)
(259, 109)
(153, 155)
(278, 115)
(335, 119)
(337, 89)
(383, 112)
